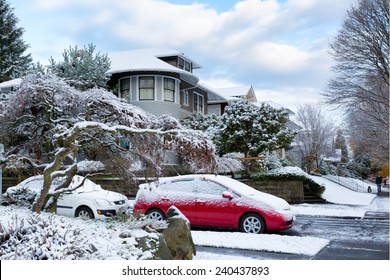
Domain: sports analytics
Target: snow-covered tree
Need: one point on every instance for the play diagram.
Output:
(361, 76)
(341, 143)
(82, 68)
(48, 124)
(251, 130)
(201, 122)
(13, 62)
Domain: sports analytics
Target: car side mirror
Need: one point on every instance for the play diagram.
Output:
(227, 195)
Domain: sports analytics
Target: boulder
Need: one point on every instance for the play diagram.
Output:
(157, 246)
(178, 235)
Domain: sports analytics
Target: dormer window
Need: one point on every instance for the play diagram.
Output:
(184, 64)
(187, 66)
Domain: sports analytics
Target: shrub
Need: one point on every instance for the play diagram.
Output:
(37, 238)
(289, 174)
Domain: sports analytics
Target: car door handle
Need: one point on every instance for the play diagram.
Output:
(200, 200)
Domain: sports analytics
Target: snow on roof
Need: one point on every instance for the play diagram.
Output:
(238, 91)
(147, 60)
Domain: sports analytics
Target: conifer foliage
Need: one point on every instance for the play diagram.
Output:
(252, 130)
(13, 62)
(82, 68)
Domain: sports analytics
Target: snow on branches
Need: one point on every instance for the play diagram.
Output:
(50, 125)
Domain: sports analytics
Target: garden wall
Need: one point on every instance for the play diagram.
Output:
(291, 191)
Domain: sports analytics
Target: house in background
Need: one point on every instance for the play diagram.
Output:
(6, 88)
(219, 98)
(160, 81)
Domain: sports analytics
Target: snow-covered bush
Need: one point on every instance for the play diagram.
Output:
(229, 163)
(37, 238)
(21, 196)
(290, 173)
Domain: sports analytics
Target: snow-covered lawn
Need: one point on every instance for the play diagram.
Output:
(105, 235)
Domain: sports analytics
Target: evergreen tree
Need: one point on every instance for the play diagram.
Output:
(251, 130)
(82, 68)
(201, 122)
(13, 62)
(340, 143)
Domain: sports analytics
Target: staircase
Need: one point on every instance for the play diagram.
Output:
(310, 197)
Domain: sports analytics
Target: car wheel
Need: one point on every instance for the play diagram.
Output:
(252, 223)
(85, 213)
(156, 214)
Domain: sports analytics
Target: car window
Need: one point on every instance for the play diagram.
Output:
(210, 188)
(185, 186)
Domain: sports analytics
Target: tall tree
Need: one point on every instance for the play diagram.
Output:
(315, 140)
(82, 68)
(361, 72)
(13, 62)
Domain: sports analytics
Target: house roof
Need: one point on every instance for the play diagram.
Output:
(235, 92)
(230, 94)
(149, 60)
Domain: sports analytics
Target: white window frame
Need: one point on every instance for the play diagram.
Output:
(169, 91)
(120, 93)
(198, 105)
(139, 87)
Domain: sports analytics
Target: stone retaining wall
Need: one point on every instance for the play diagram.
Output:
(291, 191)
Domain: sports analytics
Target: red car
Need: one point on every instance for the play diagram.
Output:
(215, 201)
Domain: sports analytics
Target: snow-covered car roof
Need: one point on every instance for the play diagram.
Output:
(35, 185)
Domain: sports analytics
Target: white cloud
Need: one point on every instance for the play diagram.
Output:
(266, 43)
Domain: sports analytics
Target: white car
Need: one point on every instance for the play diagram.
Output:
(88, 201)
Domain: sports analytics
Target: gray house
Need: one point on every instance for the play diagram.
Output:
(160, 81)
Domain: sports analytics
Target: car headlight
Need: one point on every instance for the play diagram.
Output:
(102, 202)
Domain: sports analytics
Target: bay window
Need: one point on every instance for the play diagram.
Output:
(146, 88)
(169, 89)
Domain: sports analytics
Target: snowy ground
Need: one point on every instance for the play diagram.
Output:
(347, 203)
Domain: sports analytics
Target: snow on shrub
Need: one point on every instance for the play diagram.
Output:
(290, 173)
(21, 196)
(36, 238)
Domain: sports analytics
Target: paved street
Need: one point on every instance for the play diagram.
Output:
(350, 238)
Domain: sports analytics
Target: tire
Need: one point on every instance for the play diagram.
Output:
(156, 214)
(84, 213)
(252, 223)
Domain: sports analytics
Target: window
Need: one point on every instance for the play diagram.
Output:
(181, 63)
(146, 88)
(186, 186)
(187, 66)
(198, 103)
(186, 98)
(184, 64)
(205, 187)
(124, 89)
(169, 89)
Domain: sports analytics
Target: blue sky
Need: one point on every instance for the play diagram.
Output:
(280, 47)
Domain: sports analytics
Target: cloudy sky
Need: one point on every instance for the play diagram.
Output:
(280, 47)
